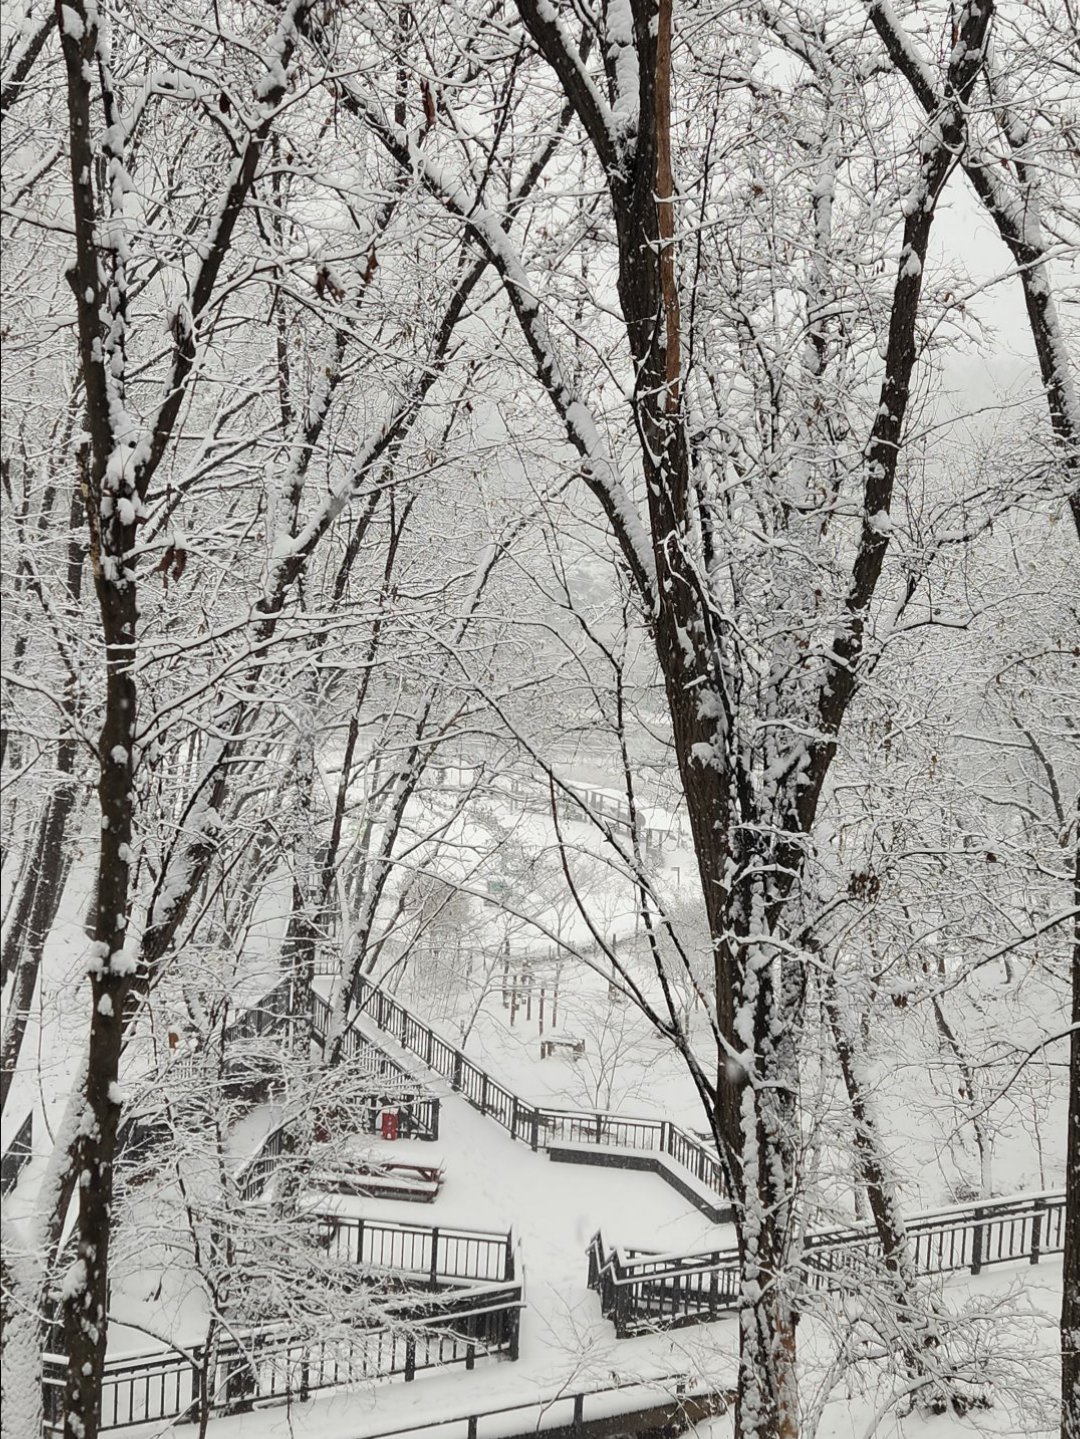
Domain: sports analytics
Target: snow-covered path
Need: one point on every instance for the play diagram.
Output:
(494, 1183)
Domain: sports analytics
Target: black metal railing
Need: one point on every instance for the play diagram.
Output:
(271, 1014)
(17, 1155)
(641, 1291)
(670, 1402)
(418, 1113)
(253, 1176)
(269, 1363)
(536, 1125)
(429, 1254)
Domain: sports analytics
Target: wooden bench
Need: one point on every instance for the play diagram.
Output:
(383, 1179)
(575, 1048)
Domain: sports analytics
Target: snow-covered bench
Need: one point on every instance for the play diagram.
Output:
(383, 1179)
(562, 1044)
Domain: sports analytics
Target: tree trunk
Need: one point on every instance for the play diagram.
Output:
(85, 1287)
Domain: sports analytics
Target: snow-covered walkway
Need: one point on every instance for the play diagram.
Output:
(567, 1347)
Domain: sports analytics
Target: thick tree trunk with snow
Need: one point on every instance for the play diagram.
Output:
(85, 1287)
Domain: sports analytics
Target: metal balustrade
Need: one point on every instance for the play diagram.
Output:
(537, 1125)
(419, 1114)
(641, 1291)
(460, 1300)
(269, 1363)
(433, 1254)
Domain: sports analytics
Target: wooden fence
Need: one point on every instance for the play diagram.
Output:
(641, 1291)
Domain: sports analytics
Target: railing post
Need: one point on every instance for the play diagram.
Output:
(484, 1095)
(471, 1434)
(976, 1241)
(579, 1413)
(430, 1048)
(621, 1307)
(410, 1359)
(535, 1136)
(455, 1082)
(433, 1268)
(714, 1282)
(1036, 1228)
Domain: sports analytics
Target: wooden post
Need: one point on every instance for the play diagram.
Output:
(579, 1412)
(1036, 1229)
(976, 1241)
(540, 1015)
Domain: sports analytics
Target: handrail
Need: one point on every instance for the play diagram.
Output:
(423, 1112)
(536, 1125)
(682, 1391)
(271, 1363)
(440, 1253)
(640, 1290)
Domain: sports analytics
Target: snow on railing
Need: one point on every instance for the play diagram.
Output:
(269, 1363)
(536, 1125)
(419, 1113)
(463, 1291)
(641, 1291)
